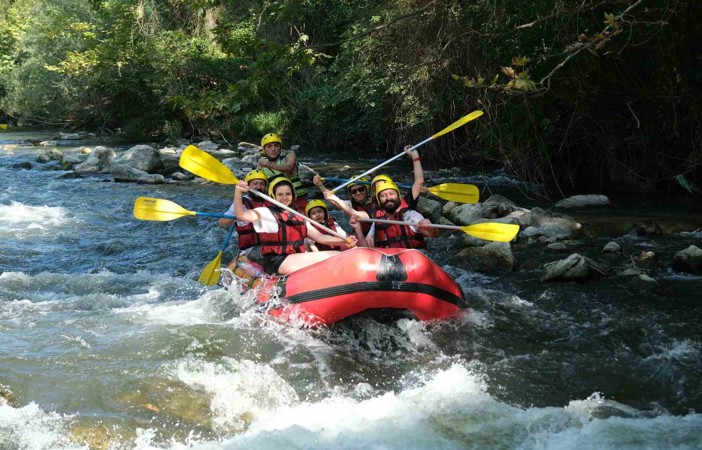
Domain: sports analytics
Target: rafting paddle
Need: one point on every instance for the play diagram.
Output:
(207, 166)
(460, 122)
(489, 231)
(453, 192)
(210, 274)
(149, 208)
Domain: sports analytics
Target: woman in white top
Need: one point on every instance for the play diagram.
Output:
(283, 233)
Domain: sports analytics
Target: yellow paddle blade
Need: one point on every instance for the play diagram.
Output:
(206, 166)
(460, 122)
(148, 208)
(492, 231)
(210, 274)
(455, 192)
(3, 126)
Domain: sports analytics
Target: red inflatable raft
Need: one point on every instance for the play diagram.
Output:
(390, 282)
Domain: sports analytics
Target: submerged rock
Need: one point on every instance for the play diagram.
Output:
(582, 201)
(493, 257)
(688, 260)
(574, 267)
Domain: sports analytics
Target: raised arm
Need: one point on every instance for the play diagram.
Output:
(245, 215)
(418, 184)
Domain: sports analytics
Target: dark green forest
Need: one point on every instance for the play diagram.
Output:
(578, 95)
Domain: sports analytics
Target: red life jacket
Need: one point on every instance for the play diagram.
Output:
(290, 237)
(368, 207)
(394, 235)
(331, 224)
(247, 235)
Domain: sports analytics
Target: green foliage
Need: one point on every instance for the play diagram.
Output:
(575, 91)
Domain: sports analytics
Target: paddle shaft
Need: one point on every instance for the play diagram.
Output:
(343, 180)
(215, 215)
(207, 166)
(415, 224)
(229, 236)
(302, 216)
(373, 169)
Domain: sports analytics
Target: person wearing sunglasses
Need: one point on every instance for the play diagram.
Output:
(368, 207)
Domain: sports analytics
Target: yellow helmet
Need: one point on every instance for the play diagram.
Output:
(256, 174)
(355, 182)
(384, 186)
(276, 182)
(270, 137)
(315, 204)
(379, 178)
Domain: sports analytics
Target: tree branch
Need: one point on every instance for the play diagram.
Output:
(372, 30)
(587, 45)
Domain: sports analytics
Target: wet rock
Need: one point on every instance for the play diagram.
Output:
(546, 233)
(151, 178)
(180, 176)
(7, 396)
(498, 206)
(522, 217)
(650, 228)
(49, 155)
(429, 208)
(574, 267)
(582, 201)
(688, 260)
(70, 136)
(170, 157)
(612, 247)
(69, 160)
(493, 257)
(466, 214)
(642, 283)
(207, 146)
(142, 157)
(70, 176)
(251, 159)
(551, 225)
(248, 148)
(22, 166)
(126, 173)
(556, 246)
(448, 207)
(99, 161)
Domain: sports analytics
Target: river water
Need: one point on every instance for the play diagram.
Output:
(108, 341)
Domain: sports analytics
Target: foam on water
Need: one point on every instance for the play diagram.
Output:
(451, 409)
(29, 427)
(20, 221)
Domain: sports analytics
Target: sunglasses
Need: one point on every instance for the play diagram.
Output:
(357, 190)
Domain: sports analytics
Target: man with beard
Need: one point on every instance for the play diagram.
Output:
(364, 204)
(391, 235)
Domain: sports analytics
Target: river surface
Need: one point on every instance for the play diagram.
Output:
(108, 341)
